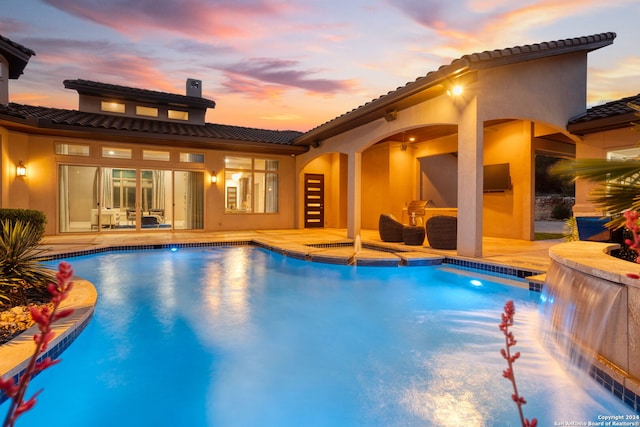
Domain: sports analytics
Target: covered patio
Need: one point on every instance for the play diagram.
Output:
(498, 107)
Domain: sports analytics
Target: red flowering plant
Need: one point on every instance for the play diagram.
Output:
(633, 243)
(44, 318)
(510, 341)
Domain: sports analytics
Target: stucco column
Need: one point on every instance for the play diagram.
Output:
(354, 194)
(470, 173)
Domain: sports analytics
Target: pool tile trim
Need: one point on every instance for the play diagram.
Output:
(67, 331)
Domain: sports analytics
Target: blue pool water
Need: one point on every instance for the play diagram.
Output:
(245, 337)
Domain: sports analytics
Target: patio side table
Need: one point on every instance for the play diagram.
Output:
(413, 235)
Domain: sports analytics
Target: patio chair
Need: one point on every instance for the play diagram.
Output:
(159, 213)
(390, 229)
(442, 232)
(131, 216)
(149, 221)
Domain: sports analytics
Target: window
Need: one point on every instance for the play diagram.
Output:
(178, 115)
(124, 188)
(192, 157)
(116, 153)
(72, 149)
(112, 107)
(251, 185)
(162, 156)
(146, 111)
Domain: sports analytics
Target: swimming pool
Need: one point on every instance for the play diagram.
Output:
(246, 337)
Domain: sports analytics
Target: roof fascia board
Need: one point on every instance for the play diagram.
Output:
(164, 139)
(598, 125)
(377, 108)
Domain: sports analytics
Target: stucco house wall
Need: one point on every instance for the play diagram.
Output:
(596, 146)
(508, 214)
(38, 190)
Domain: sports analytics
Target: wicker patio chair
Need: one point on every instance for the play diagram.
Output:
(442, 232)
(390, 229)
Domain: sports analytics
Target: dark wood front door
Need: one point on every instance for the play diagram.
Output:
(313, 200)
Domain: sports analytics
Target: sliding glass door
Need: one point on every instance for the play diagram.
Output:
(101, 199)
(188, 200)
(156, 201)
(78, 198)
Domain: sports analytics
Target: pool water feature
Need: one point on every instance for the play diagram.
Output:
(246, 337)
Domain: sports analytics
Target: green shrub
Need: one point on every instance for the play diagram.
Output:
(560, 212)
(20, 254)
(31, 216)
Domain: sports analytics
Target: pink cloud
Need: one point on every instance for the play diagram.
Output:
(239, 84)
(483, 24)
(283, 72)
(8, 26)
(199, 19)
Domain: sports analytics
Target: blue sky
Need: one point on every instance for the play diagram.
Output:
(295, 64)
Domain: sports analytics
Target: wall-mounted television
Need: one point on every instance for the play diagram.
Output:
(497, 178)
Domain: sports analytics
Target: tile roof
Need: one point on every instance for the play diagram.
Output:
(613, 108)
(55, 118)
(611, 115)
(527, 52)
(17, 56)
(88, 87)
(474, 61)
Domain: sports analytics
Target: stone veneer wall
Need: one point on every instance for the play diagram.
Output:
(545, 204)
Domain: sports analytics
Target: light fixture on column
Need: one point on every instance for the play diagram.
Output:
(214, 177)
(21, 169)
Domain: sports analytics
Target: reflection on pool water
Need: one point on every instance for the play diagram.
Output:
(245, 337)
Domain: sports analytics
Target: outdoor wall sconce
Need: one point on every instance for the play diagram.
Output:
(455, 90)
(21, 169)
(214, 177)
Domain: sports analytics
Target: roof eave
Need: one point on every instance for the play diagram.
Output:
(159, 98)
(603, 124)
(170, 140)
(20, 58)
(379, 108)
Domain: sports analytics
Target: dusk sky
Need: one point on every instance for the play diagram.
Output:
(295, 64)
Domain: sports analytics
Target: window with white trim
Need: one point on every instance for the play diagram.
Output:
(251, 185)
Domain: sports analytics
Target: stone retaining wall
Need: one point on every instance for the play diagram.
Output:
(545, 204)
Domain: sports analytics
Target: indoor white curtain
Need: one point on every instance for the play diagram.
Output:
(157, 201)
(107, 188)
(63, 202)
(194, 194)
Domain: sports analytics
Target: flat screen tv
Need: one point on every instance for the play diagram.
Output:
(497, 178)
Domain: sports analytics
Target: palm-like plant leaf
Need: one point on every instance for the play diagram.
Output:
(20, 252)
(601, 170)
(618, 181)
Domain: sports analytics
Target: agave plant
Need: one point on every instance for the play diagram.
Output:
(20, 253)
(618, 181)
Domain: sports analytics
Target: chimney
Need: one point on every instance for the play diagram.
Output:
(194, 88)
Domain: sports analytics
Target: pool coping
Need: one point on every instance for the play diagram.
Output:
(372, 254)
(16, 354)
